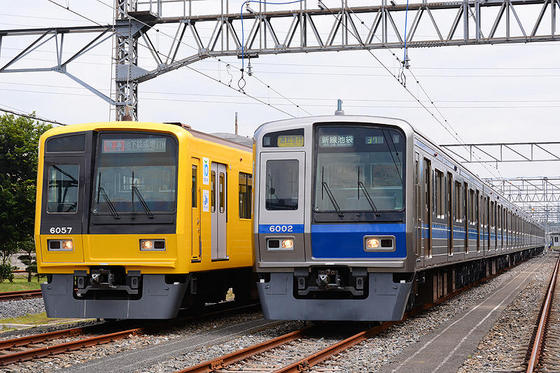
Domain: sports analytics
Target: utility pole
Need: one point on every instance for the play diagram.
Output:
(236, 125)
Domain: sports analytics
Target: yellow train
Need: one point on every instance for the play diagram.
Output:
(136, 220)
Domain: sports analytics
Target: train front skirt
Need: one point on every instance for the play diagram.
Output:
(386, 301)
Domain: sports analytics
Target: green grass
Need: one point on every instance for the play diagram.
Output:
(20, 283)
(29, 319)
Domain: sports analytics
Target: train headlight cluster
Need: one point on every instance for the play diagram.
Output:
(60, 245)
(152, 245)
(280, 243)
(379, 243)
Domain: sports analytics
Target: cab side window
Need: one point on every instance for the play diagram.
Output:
(282, 179)
(62, 188)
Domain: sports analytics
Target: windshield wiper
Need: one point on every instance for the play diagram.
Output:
(368, 197)
(391, 152)
(101, 190)
(141, 198)
(333, 200)
(110, 204)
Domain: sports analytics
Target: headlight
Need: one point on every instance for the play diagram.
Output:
(60, 245)
(287, 243)
(146, 245)
(152, 245)
(372, 243)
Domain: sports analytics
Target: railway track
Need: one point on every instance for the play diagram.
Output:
(39, 345)
(307, 362)
(543, 349)
(23, 294)
(45, 344)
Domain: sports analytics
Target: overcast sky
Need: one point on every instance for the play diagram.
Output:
(497, 93)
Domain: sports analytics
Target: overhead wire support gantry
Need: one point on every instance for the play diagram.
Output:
(303, 29)
(544, 151)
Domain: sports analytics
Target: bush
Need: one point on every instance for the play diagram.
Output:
(6, 273)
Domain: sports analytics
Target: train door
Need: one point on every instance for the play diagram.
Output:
(450, 213)
(488, 224)
(477, 218)
(418, 204)
(196, 242)
(281, 199)
(466, 215)
(218, 209)
(427, 208)
(65, 206)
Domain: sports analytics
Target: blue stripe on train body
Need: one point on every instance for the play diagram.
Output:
(346, 241)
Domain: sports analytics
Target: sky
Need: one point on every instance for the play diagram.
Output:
(491, 93)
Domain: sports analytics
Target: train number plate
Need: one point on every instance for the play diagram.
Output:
(60, 230)
(281, 228)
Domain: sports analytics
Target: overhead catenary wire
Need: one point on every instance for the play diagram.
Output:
(32, 117)
(217, 101)
(320, 99)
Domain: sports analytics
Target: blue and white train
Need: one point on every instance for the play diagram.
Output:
(357, 217)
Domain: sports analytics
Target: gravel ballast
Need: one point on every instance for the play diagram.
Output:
(385, 348)
(21, 307)
(504, 348)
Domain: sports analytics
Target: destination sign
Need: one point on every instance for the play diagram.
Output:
(336, 141)
(142, 145)
(290, 141)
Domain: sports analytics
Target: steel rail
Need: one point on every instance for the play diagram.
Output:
(38, 338)
(65, 347)
(231, 358)
(536, 347)
(316, 358)
(11, 295)
(30, 354)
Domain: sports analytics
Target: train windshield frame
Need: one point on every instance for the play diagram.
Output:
(135, 173)
(359, 173)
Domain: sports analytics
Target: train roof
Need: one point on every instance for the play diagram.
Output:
(231, 140)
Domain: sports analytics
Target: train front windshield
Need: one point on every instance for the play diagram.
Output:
(135, 173)
(359, 169)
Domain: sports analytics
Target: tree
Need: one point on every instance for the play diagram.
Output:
(19, 139)
(28, 247)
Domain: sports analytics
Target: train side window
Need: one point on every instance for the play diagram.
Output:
(457, 209)
(440, 194)
(213, 191)
(222, 191)
(245, 193)
(194, 186)
(465, 211)
(476, 206)
(62, 188)
(282, 178)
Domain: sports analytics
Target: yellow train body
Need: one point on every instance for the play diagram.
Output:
(210, 165)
